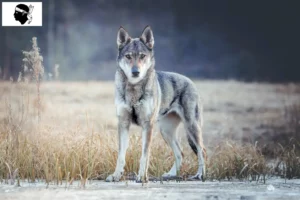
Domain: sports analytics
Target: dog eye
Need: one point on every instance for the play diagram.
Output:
(128, 56)
(142, 56)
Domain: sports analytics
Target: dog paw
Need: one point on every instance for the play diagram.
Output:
(109, 178)
(197, 177)
(113, 178)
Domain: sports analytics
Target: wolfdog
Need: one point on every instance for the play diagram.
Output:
(144, 96)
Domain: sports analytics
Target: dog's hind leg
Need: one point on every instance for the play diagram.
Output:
(168, 126)
(195, 141)
(194, 133)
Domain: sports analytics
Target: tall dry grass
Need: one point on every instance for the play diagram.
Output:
(288, 145)
(33, 151)
(43, 151)
(77, 153)
(235, 160)
(33, 61)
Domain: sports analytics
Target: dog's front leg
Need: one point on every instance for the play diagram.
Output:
(144, 161)
(148, 112)
(123, 128)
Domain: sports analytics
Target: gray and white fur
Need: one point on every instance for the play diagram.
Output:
(144, 96)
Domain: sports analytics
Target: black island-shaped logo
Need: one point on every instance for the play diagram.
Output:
(23, 13)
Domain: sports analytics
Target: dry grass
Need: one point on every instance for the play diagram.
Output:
(281, 142)
(33, 60)
(236, 160)
(288, 145)
(288, 164)
(69, 144)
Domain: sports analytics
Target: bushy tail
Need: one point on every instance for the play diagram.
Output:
(194, 147)
(192, 144)
(197, 135)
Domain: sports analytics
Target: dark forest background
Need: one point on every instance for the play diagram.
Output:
(243, 40)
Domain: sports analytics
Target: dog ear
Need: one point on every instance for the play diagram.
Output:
(147, 37)
(123, 38)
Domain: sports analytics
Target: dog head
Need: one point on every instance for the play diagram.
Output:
(136, 55)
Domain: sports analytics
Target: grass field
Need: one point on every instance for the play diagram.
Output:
(247, 130)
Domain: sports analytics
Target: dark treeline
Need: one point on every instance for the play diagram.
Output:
(244, 40)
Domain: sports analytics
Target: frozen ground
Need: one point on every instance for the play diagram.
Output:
(273, 189)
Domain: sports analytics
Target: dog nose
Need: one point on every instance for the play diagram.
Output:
(135, 71)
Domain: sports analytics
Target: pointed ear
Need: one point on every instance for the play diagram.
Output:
(123, 38)
(147, 37)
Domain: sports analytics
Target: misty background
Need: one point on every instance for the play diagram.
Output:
(243, 40)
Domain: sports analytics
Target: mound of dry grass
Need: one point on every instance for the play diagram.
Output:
(288, 164)
(235, 160)
(283, 143)
(288, 148)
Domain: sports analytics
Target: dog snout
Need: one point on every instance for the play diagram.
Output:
(135, 71)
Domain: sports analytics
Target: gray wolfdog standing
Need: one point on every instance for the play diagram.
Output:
(144, 96)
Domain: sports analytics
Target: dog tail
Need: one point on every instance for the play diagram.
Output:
(197, 135)
(192, 144)
(194, 147)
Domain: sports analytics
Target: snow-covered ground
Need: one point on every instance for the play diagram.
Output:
(273, 189)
